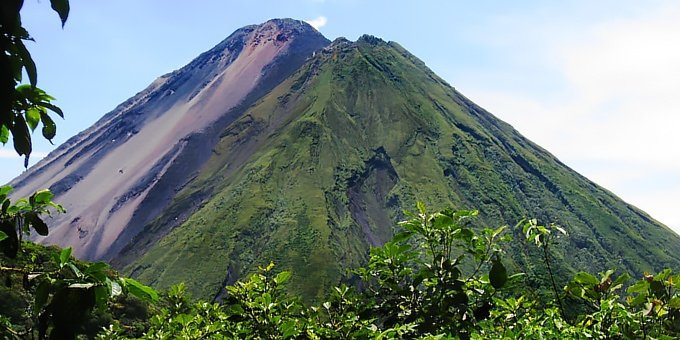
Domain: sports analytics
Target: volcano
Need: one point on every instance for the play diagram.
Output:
(280, 145)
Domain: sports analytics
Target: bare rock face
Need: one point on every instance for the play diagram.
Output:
(120, 173)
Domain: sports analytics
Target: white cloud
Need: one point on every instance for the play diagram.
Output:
(617, 118)
(318, 22)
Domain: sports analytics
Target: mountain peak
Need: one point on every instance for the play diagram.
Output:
(279, 31)
(370, 39)
(136, 150)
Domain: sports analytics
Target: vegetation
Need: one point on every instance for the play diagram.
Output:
(51, 294)
(23, 106)
(438, 278)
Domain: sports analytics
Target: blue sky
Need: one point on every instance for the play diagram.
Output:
(593, 82)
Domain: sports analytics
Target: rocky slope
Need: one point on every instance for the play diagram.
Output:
(120, 173)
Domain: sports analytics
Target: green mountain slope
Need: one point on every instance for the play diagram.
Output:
(320, 169)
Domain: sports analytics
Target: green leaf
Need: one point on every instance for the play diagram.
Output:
(442, 221)
(38, 224)
(62, 8)
(586, 278)
(266, 299)
(289, 329)
(282, 277)
(64, 256)
(3, 235)
(421, 207)
(28, 62)
(42, 197)
(21, 138)
(400, 237)
(498, 231)
(5, 205)
(32, 117)
(498, 274)
(639, 287)
(42, 292)
(96, 267)
(4, 134)
(97, 271)
(235, 310)
(74, 269)
(101, 295)
(5, 189)
(53, 107)
(139, 290)
(618, 283)
(674, 302)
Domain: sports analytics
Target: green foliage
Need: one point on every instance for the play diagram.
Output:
(23, 106)
(433, 292)
(438, 278)
(59, 293)
(18, 219)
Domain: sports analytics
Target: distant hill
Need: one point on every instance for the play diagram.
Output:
(278, 145)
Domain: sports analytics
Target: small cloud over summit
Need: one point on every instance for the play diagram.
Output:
(318, 22)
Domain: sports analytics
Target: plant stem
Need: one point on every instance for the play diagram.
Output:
(552, 279)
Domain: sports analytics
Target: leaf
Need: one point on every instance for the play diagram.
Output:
(442, 221)
(5, 189)
(586, 278)
(54, 108)
(42, 292)
(618, 283)
(498, 274)
(266, 299)
(32, 117)
(116, 289)
(62, 8)
(21, 138)
(101, 295)
(674, 303)
(498, 231)
(3, 235)
(28, 62)
(5, 205)
(139, 290)
(42, 197)
(282, 277)
(74, 269)
(38, 224)
(97, 271)
(514, 276)
(81, 285)
(421, 207)
(400, 237)
(4, 134)
(639, 287)
(64, 256)
(96, 267)
(235, 310)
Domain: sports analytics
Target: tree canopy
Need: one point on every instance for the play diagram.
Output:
(23, 107)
